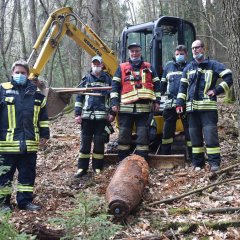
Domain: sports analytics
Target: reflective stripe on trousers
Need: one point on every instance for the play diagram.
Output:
(203, 128)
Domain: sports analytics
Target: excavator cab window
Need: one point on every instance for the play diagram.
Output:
(158, 40)
(175, 31)
(169, 42)
(144, 38)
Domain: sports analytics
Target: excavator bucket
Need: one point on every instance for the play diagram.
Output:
(58, 98)
(56, 101)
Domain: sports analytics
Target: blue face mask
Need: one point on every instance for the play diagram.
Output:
(180, 58)
(198, 56)
(20, 79)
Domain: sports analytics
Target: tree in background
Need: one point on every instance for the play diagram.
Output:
(230, 14)
(21, 24)
(22, 21)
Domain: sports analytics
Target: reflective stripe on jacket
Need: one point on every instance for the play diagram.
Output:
(94, 107)
(141, 105)
(23, 118)
(170, 82)
(198, 79)
(136, 85)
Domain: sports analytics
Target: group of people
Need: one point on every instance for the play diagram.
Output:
(191, 89)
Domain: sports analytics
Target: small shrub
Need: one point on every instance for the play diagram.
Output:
(7, 230)
(89, 220)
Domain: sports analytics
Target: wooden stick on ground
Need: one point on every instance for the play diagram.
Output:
(227, 168)
(221, 210)
(219, 179)
(169, 200)
(217, 198)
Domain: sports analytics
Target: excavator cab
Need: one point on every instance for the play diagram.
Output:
(158, 40)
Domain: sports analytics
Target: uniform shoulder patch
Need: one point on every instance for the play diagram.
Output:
(7, 85)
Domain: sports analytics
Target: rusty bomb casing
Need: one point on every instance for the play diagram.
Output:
(125, 189)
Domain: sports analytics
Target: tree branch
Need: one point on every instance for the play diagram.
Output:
(221, 210)
(169, 200)
(221, 44)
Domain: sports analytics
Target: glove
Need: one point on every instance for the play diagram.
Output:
(179, 109)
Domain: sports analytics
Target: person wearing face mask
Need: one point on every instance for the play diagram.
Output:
(135, 93)
(199, 90)
(169, 85)
(23, 126)
(94, 115)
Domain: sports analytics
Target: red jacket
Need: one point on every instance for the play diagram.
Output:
(136, 85)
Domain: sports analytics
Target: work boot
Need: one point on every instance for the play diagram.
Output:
(29, 207)
(6, 208)
(80, 173)
(197, 169)
(214, 168)
(97, 171)
(166, 149)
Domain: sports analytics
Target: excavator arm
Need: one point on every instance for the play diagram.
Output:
(60, 23)
(65, 22)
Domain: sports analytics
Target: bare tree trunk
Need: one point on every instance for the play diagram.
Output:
(79, 50)
(207, 27)
(148, 11)
(230, 14)
(5, 43)
(96, 21)
(132, 11)
(33, 27)
(113, 22)
(65, 81)
(154, 9)
(161, 7)
(50, 81)
(20, 24)
(44, 7)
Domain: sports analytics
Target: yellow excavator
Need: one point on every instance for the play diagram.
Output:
(157, 38)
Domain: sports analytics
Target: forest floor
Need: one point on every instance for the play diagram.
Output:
(56, 191)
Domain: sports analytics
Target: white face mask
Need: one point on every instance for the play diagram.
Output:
(96, 69)
(136, 60)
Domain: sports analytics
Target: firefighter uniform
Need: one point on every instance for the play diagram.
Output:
(93, 111)
(23, 121)
(134, 89)
(196, 81)
(169, 85)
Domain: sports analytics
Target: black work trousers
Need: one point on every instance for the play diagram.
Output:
(203, 129)
(92, 130)
(170, 118)
(126, 123)
(26, 166)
